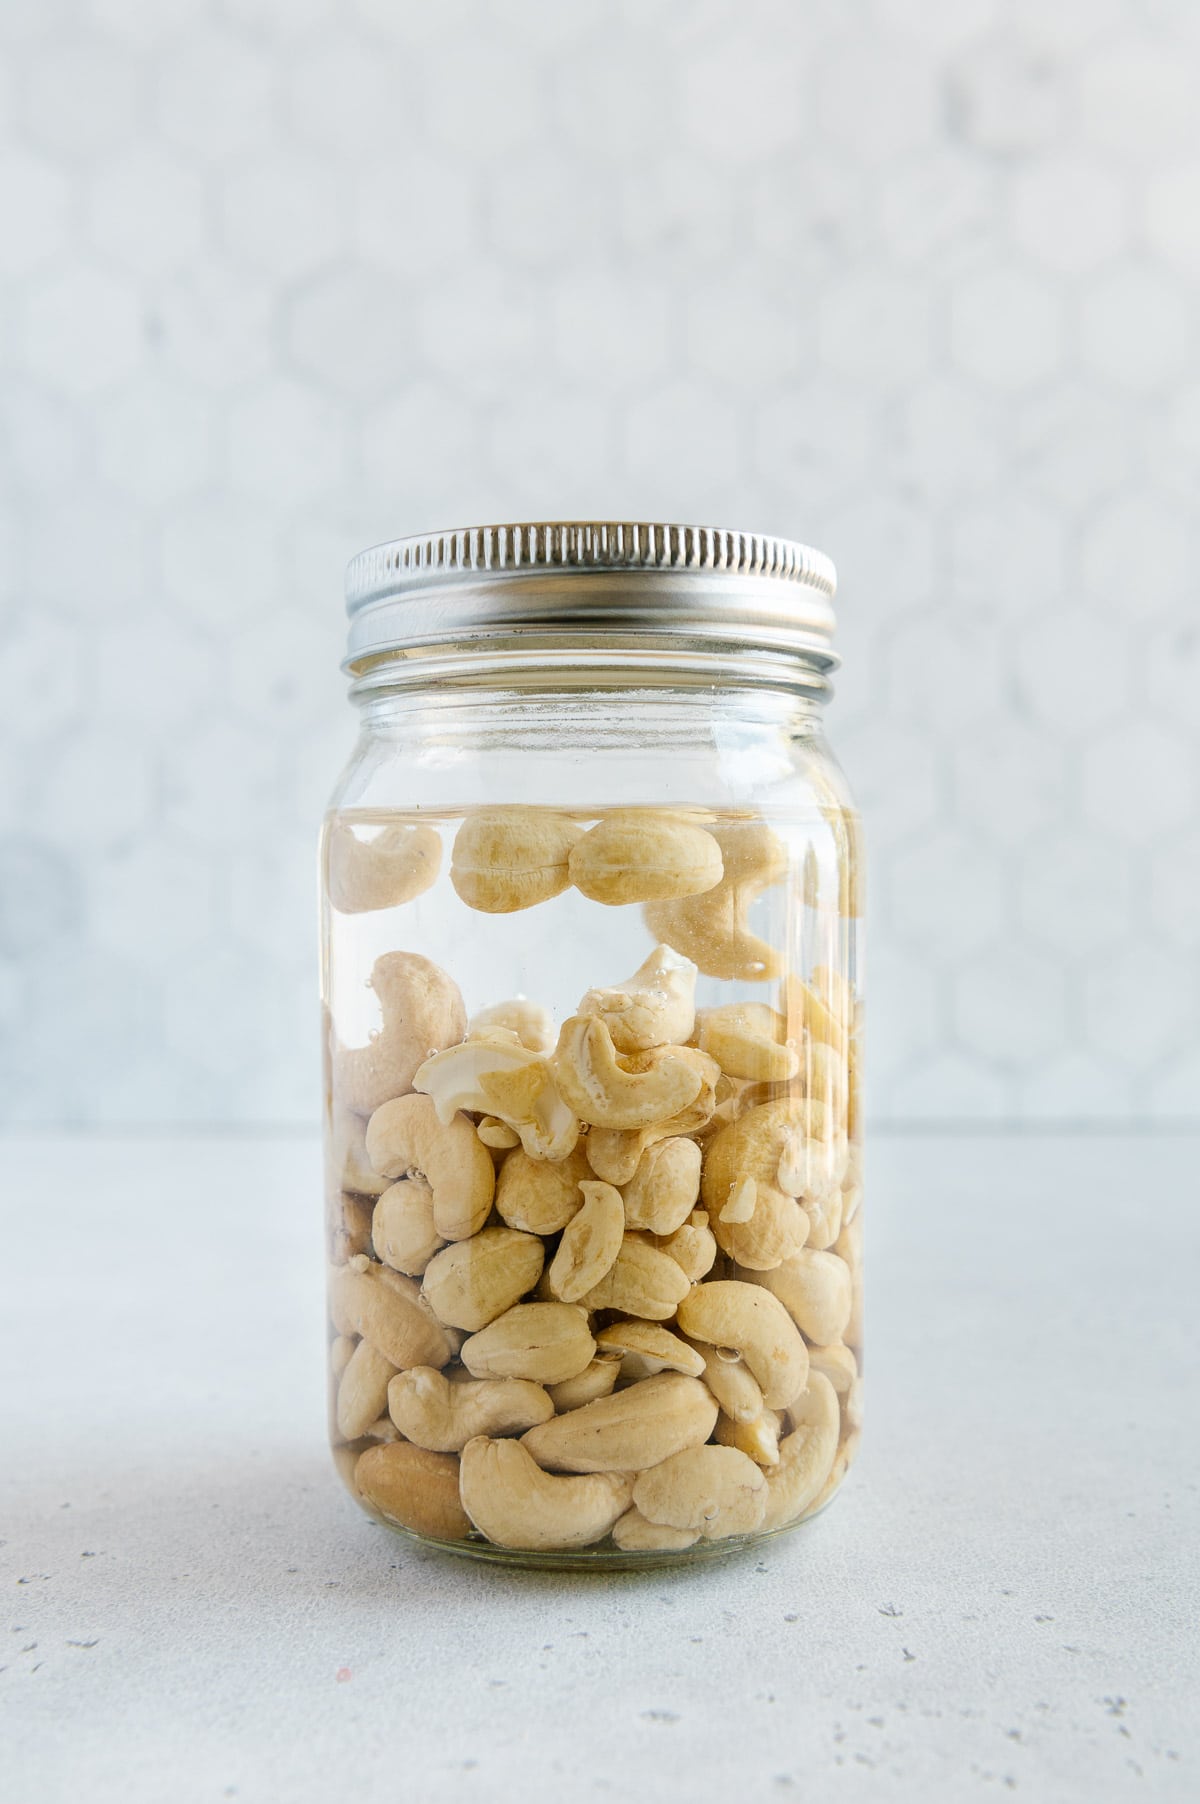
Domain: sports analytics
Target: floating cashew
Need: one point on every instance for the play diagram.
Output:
(544, 1342)
(469, 1284)
(422, 1012)
(538, 1195)
(635, 1533)
(515, 1504)
(751, 1150)
(432, 1412)
(531, 1023)
(693, 1247)
(747, 1039)
(758, 1440)
(814, 1288)
(403, 1230)
(365, 874)
(350, 1227)
(362, 1392)
(713, 928)
(805, 1455)
(661, 1350)
(629, 1430)
(417, 1489)
(634, 1092)
(405, 1138)
(505, 859)
(654, 1007)
(644, 855)
(590, 1243)
(662, 1191)
(727, 1313)
(732, 1383)
(499, 1076)
(595, 1380)
(386, 1309)
(642, 1281)
(717, 1490)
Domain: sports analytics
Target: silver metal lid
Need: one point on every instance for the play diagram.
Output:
(695, 587)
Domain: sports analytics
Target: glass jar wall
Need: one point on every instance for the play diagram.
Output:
(593, 998)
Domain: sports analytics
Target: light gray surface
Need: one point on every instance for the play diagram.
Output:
(1003, 1599)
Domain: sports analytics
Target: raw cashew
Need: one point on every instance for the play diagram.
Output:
(595, 1380)
(402, 1228)
(531, 1023)
(727, 1313)
(713, 928)
(496, 1135)
(717, 1490)
(629, 1430)
(405, 1138)
(499, 1076)
(469, 1284)
(641, 1281)
(341, 1351)
(693, 1246)
(505, 859)
(809, 1013)
(814, 1288)
(824, 1077)
(635, 1533)
(417, 1489)
(644, 855)
(837, 1363)
(590, 1243)
(805, 1455)
(654, 1007)
(544, 1342)
(758, 1440)
(422, 1012)
(362, 1392)
(538, 1195)
(397, 864)
(751, 1149)
(615, 1153)
(747, 1039)
(386, 1309)
(348, 1165)
(662, 1191)
(843, 1459)
(432, 1412)
(732, 1383)
(515, 1504)
(661, 1350)
(632, 1092)
(848, 1247)
(350, 1227)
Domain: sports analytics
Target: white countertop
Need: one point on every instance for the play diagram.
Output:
(1003, 1599)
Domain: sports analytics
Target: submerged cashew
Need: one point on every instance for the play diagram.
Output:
(539, 1195)
(814, 1288)
(837, 1363)
(348, 1167)
(417, 1489)
(362, 1392)
(403, 1230)
(654, 1007)
(432, 1412)
(805, 1455)
(633, 1092)
(590, 1243)
(515, 1504)
(661, 1350)
(422, 1012)
(341, 1351)
(758, 1439)
(531, 1023)
(717, 1490)
(544, 1342)
(497, 1075)
(349, 1227)
(405, 1138)
(644, 855)
(848, 1247)
(642, 1281)
(662, 1191)
(635, 1533)
(615, 1153)
(496, 1135)
(713, 928)
(747, 1039)
(400, 862)
(469, 1284)
(629, 1430)
(751, 1150)
(595, 1380)
(693, 1246)
(808, 1012)
(505, 859)
(727, 1313)
(732, 1383)
(386, 1309)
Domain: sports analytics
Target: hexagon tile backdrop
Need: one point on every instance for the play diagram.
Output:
(917, 282)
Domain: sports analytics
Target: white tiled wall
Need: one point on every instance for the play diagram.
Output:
(916, 279)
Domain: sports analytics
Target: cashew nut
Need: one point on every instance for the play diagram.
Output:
(469, 1284)
(595, 1380)
(728, 1313)
(837, 1363)
(747, 1039)
(405, 1138)
(642, 1281)
(693, 1246)
(805, 1455)
(635, 1533)
(432, 1412)
(415, 1488)
(505, 859)
(662, 1191)
(350, 1227)
(544, 1342)
(422, 1012)
(644, 855)
(810, 1013)
(732, 1383)
(499, 1076)
(629, 1430)
(751, 1150)
(717, 1490)
(661, 1350)
(654, 1007)
(531, 1023)
(348, 1167)
(341, 1351)
(496, 1135)
(515, 1504)
(713, 928)
(758, 1439)
(386, 1309)
(402, 1228)
(540, 1195)
(362, 1392)
(400, 862)
(848, 1247)
(632, 1092)
(590, 1243)
(814, 1288)
(614, 1153)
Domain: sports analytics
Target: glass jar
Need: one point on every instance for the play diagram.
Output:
(592, 979)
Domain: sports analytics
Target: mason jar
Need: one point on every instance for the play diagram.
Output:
(593, 988)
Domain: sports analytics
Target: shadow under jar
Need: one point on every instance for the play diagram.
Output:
(592, 989)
